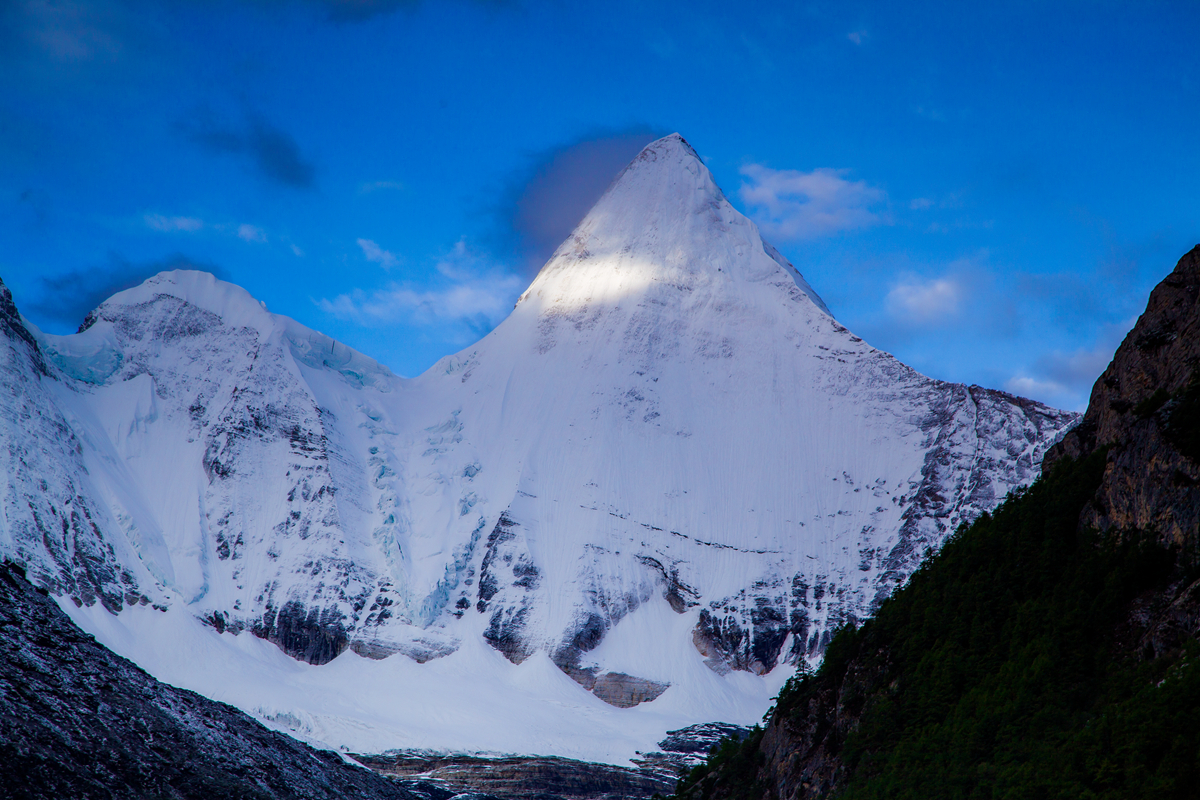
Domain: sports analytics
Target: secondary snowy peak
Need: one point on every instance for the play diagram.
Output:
(177, 305)
(199, 290)
(662, 223)
(208, 444)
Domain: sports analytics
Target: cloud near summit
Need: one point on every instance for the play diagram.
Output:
(544, 202)
(1067, 377)
(792, 205)
(471, 293)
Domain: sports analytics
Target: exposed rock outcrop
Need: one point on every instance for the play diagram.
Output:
(686, 747)
(550, 778)
(626, 691)
(523, 777)
(1144, 409)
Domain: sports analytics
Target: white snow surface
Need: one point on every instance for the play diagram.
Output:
(670, 462)
(474, 701)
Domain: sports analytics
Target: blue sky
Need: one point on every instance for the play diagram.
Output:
(989, 192)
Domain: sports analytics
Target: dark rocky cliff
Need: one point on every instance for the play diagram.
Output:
(77, 721)
(1144, 408)
(1116, 521)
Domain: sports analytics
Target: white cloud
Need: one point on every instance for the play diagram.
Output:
(472, 291)
(375, 253)
(858, 37)
(461, 264)
(789, 204)
(920, 204)
(925, 302)
(1025, 386)
(161, 223)
(375, 186)
(251, 233)
(1080, 368)
(1066, 379)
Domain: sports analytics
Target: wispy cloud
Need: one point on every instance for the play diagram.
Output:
(1045, 390)
(160, 223)
(472, 291)
(373, 252)
(251, 233)
(245, 231)
(928, 113)
(69, 31)
(1066, 378)
(858, 37)
(790, 204)
(925, 302)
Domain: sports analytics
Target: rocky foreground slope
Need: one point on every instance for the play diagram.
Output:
(1049, 650)
(78, 721)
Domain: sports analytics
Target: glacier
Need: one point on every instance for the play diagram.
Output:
(637, 504)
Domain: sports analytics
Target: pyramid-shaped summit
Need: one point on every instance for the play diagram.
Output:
(664, 479)
(663, 220)
(691, 417)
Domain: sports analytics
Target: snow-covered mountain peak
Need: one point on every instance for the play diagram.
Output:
(202, 290)
(665, 233)
(180, 305)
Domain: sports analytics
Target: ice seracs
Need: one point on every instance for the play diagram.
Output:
(670, 471)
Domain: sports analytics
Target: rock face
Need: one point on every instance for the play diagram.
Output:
(547, 778)
(626, 691)
(53, 521)
(519, 778)
(78, 721)
(669, 464)
(687, 747)
(1144, 408)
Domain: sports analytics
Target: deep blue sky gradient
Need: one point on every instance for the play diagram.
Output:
(1028, 171)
